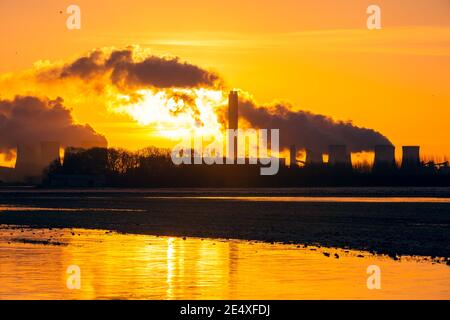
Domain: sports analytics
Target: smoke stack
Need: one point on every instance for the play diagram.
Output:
(313, 157)
(233, 113)
(49, 152)
(338, 155)
(411, 157)
(233, 116)
(293, 156)
(384, 157)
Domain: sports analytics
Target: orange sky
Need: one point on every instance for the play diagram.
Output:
(318, 55)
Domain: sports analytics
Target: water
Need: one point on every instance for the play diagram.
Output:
(33, 265)
(319, 199)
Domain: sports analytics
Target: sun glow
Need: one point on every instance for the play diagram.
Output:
(175, 113)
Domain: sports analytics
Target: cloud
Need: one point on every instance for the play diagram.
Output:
(30, 120)
(125, 70)
(171, 95)
(310, 131)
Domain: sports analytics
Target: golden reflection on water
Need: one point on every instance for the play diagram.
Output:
(33, 209)
(345, 199)
(33, 265)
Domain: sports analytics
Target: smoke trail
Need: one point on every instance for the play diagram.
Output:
(310, 131)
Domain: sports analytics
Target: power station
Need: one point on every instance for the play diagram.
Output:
(338, 155)
(33, 158)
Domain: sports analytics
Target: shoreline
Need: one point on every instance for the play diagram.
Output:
(395, 229)
(387, 191)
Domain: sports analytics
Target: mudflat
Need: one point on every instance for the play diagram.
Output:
(412, 227)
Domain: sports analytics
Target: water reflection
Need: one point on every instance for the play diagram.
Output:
(345, 199)
(148, 267)
(33, 209)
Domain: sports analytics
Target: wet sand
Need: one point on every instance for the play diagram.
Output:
(389, 227)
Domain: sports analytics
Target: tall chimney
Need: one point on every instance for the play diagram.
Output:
(384, 157)
(233, 106)
(411, 157)
(233, 117)
(338, 155)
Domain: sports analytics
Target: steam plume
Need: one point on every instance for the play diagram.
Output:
(127, 71)
(310, 131)
(29, 120)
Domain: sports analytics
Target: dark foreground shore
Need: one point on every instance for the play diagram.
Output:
(394, 228)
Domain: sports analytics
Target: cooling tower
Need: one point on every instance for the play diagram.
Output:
(411, 157)
(49, 152)
(338, 155)
(313, 157)
(384, 157)
(28, 160)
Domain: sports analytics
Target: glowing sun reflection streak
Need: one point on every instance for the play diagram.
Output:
(170, 266)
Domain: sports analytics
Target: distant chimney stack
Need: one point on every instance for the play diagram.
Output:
(411, 157)
(338, 156)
